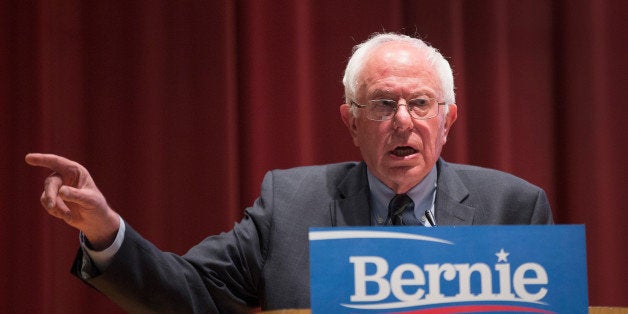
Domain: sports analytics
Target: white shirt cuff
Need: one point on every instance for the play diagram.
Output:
(102, 259)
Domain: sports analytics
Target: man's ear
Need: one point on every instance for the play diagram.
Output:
(450, 118)
(350, 121)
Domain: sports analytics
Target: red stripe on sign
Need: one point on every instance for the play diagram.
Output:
(478, 309)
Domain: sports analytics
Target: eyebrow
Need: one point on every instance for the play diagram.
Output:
(384, 93)
(380, 93)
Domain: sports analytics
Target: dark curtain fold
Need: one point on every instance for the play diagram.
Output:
(179, 108)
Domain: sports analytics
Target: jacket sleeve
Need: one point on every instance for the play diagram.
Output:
(219, 275)
(542, 213)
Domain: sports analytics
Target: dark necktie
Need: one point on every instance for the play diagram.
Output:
(401, 211)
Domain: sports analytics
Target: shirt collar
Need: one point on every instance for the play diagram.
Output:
(422, 195)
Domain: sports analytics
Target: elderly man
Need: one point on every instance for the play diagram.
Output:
(399, 109)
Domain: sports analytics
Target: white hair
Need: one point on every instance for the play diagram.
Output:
(433, 57)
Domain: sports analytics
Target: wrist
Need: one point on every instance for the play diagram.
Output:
(102, 236)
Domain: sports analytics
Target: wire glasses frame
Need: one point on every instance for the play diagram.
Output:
(385, 109)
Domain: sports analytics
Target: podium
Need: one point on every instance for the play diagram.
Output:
(607, 310)
(592, 310)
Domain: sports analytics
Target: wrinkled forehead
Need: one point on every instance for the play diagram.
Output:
(398, 63)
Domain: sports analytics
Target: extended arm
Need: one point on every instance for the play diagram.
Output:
(219, 275)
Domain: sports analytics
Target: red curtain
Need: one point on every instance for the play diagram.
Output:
(179, 108)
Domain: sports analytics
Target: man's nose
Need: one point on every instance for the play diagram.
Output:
(402, 118)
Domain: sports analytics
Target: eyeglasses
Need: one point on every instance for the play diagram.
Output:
(422, 108)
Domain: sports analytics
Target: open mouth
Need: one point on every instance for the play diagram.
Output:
(403, 151)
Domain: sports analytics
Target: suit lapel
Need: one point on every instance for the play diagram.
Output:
(352, 207)
(450, 194)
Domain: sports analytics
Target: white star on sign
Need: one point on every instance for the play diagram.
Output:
(502, 256)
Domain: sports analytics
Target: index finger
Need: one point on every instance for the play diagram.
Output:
(56, 163)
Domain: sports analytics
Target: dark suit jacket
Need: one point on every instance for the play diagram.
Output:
(264, 259)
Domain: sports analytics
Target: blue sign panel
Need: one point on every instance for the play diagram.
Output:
(473, 269)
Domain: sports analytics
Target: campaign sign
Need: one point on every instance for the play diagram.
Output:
(473, 269)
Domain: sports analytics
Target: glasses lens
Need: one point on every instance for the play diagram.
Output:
(381, 109)
(423, 108)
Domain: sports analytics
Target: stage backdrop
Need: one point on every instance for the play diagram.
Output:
(178, 108)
